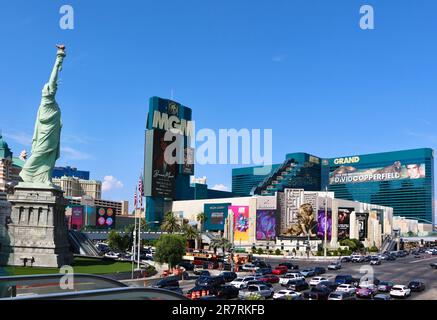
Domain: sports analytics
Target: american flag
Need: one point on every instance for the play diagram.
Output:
(135, 199)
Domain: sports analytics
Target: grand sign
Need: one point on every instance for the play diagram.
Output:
(346, 160)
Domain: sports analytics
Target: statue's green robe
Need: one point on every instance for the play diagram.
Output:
(47, 134)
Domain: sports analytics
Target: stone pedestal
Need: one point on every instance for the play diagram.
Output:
(37, 230)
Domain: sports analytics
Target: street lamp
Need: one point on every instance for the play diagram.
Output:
(326, 222)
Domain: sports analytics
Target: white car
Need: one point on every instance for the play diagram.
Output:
(346, 288)
(316, 280)
(284, 294)
(249, 267)
(241, 283)
(357, 258)
(290, 276)
(334, 266)
(112, 255)
(400, 291)
(260, 289)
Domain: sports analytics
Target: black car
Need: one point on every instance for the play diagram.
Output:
(345, 259)
(319, 270)
(328, 284)
(227, 292)
(316, 293)
(229, 276)
(390, 257)
(346, 279)
(298, 285)
(167, 282)
(289, 265)
(187, 266)
(416, 286)
(210, 281)
(204, 273)
(434, 265)
(260, 264)
(264, 271)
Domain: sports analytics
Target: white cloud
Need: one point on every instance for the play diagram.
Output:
(111, 182)
(220, 187)
(22, 138)
(73, 154)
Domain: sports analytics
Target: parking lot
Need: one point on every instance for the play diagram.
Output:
(401, 271)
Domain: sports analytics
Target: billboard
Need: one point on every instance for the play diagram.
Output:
(163, 173)
(344, 222)
(216, 215)
(77, 217)
(105, 217)
(265, 224)
(305, 224)
(362, 218)
(188, 166)
(396, 171)
(321, 224)
(241, 222)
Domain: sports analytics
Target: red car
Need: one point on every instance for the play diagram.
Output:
(280, 270)
(269, 279)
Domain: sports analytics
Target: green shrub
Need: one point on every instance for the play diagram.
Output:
(260, 251)
(278, 252)
(253, 249)
(319, 253)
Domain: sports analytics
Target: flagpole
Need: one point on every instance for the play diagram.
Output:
(134, 234)
(140, 198)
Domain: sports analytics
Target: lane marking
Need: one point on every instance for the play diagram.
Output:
(420, 260)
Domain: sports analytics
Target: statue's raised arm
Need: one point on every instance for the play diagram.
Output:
(47, 134)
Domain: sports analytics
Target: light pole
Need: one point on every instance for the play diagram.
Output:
(326, 222)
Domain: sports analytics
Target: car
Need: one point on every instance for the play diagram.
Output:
(241, 282)
(286, 294)
(112, 255)
(367, 258)
(319, 270)
(434, 265)
(429, 251)
(375, 261)
(290, 276)
(400, 291)
(334, 266)
(167, 282)
(249, 267)
(366, 291)
(368, 281)
(229, 275)
(269, 278)
(382, 296)
(345, 259)
(357, 258)
(297, 285)
(289, 265)
(260, 264)
(210, 281)
(317, 293)
(416, 286)
(259, 289)
(316, 280)
(307, 273)
(256, 281)
(385, 286)
(331, 285)
(348, 279)
(264, 271)
(188, 266)
(346, 288)
(197, 269)
(390, 257)
(339, 295)
(280, 270)
(204, 273)
(227, 292)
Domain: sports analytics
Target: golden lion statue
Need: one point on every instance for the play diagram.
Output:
(305, 222)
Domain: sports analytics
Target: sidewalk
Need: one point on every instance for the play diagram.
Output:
(311, 258)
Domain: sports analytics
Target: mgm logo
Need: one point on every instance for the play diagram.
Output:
(172, 109)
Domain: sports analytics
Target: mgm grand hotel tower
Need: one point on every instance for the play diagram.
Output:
(403, 180)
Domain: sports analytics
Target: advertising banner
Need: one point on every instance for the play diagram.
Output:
(266, 202)
(396, 171)
(163, 173)
(241, 222)
(77, 217)
(105, 217)
(362, 218)
(265, 224)
(188, 166)
(344, 222)
(293, 201)
(216, 215)
(321, 224)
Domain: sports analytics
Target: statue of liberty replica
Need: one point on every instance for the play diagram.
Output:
(37, 232)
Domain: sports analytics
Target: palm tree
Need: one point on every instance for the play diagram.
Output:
(190, 233)
(201, 218)
(170, 223)
(222, 243)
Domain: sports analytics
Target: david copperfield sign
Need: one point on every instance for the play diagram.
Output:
(396, 171)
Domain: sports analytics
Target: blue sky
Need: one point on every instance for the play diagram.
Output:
(302, 68)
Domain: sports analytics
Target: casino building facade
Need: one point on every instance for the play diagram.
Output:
(402, 180)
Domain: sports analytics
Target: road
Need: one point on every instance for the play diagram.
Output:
(401, 271)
